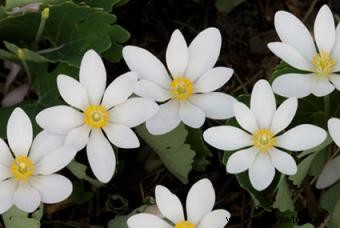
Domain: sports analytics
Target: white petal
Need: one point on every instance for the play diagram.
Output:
(293, 32)
(5, 172)
(144, 220)
(200, 200)
(119, 90)
(290, 55)
(55, 160)
(293, 85)
(165, 120)
(72, 92)
(149, 89)
(324, 29)
(213, 79)
(191, 115)
(284, 115)
(334, 130)
(336, 49)
(26, 198)
(147, 66)
(133, 112)
(245, 117)
(322, 87)
(241, 160)
(215, 219)
(92, 76)
(203, 53)
(335, 79)
(262, 172)
(52, 188)
(19, 132)
(6, 157)
(302, 137)
(169, 204)
(59, 119)
(45, 143)
(7, 189)
(263, 103)
(121, 136)
(78, 137)
(283, 162)
(215, 105)
(101, 156)
(177, 54)
(330, 173)
(227, 138)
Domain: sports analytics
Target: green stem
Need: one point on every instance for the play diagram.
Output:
(44, 16)
(21, 56)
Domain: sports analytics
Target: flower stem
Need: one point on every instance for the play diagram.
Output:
(44, 16)
(21, 56)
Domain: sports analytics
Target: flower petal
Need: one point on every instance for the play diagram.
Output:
(169, 204)
(19, 132)
(263, 103)
(149, 89)
(241, 160)
(191, 115)
(324, 29)
(165, 120)
(6, 157)
(290, 55)
(215, 219)
(203, 53)
(283, 162)
(121, 136)
(293, 32)
(200, 200)
(227, 138)
(284, 115)
(302, 137)
(52, 188)
(215, 105)
(293, 85)
(119, 90)
(5, 172)
(147, 66)
(245, 117)
(262, 172)
(92, 76)
(213, 79)
(335, 79)
(133, 112)
(336, 49)
(330, 174)
(177, 54)
(59, 119)
(26, 198)
(72, 92)
(334, 130)
(78, 137)
(322, 87)
(101, 156)
(7, 189)
(143, 220)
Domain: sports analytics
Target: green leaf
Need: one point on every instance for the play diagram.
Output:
(172, 150)
(283, 199)
(10, 4)
(329, 198)
(104, 4)
(15, 218)
(79, 194)
(79, 170)
(227, 6)
(302, 171)
(28, 54)
(335, 218)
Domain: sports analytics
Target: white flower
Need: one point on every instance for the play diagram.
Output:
(331, 172)
(95, 109)
(299, 50)
(187, 89)
(28, 178)
(261, 145)
(199, 214)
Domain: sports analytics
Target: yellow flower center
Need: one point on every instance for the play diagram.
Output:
(96, 116)
(184, 224)
(181, 88)
(323, 64)
(22, 168)
(264, 140)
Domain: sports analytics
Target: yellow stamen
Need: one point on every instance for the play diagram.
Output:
(323, 64)
(184, 224)
(22, 168)
(181, 88)
(264, 140)
(96, 116)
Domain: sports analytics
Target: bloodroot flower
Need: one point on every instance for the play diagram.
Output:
(261, 142)
(27, 169)
(96, 109)
(187, 88)
(199, 204)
